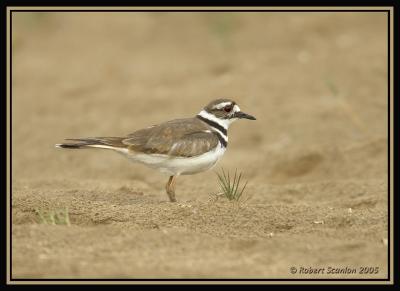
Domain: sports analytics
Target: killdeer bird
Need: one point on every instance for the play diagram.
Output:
(177, 147)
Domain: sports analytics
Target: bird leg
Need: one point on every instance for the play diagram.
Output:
(170, 187)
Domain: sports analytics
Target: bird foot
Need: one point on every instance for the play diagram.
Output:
(171, 197)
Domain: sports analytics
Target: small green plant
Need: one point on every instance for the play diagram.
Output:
(345, 106)
(230, 188)
(332, 87)
(54, 217)
(222, 26)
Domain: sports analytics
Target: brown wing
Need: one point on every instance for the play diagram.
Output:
(194, 144)
(174, 138)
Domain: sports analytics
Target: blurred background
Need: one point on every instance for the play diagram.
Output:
(317, 83)
(311, 79)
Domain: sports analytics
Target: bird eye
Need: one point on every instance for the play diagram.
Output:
(228, 108)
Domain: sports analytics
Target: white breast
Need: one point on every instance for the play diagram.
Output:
(179, 165)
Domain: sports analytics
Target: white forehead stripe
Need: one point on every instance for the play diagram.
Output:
(236, 108)
(221, 105)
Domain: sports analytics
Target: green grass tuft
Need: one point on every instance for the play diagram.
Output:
(229, 187)
(54, 217)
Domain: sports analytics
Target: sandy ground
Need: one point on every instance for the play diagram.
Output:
(315, 159)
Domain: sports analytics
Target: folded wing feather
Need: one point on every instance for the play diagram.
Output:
(180, 138)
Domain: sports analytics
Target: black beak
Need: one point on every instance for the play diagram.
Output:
(243, 115)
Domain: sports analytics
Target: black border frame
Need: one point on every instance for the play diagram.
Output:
(215, 11)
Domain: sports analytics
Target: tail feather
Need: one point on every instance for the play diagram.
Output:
(69, 146)
(96, 142)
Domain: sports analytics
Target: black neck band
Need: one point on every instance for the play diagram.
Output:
(223, 142)
(213, 124)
